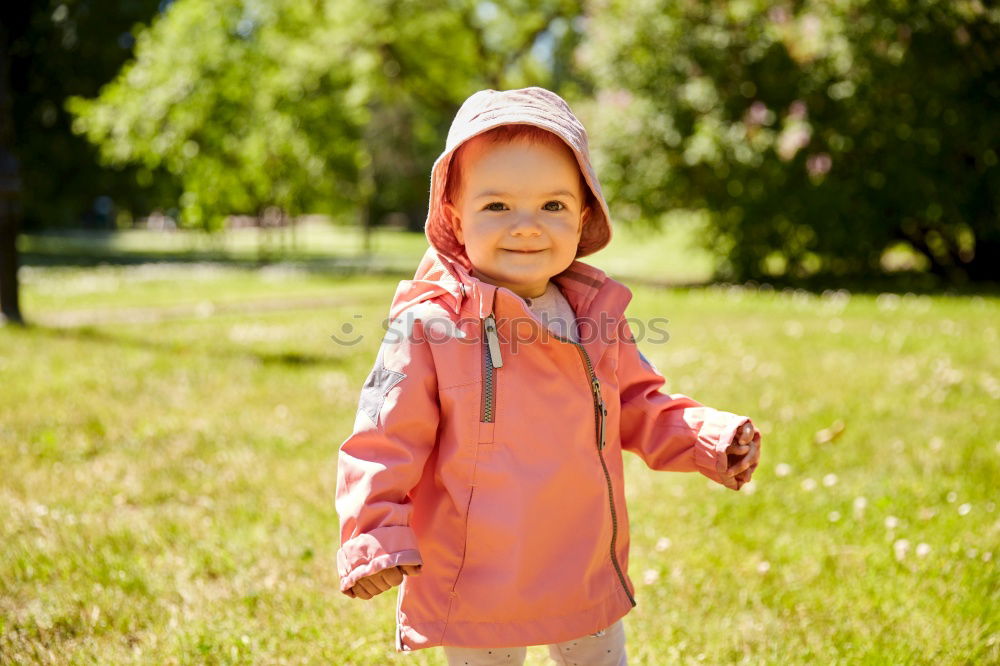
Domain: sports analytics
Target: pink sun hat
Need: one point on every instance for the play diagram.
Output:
(490, 108)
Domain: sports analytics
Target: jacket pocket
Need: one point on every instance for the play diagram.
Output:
(468, 513)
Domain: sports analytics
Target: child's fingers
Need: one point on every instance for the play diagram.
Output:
(745, 463)
(745, 476)
(377, 583)
(369, 586)
(392, 576)
(746, 433)
(411, 569)
(381, 582)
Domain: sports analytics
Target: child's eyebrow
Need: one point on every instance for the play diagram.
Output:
(558, 193)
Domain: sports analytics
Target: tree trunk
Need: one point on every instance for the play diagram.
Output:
(10, 189)
(985, 265)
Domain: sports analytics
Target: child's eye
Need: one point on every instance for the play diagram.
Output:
(559, 204)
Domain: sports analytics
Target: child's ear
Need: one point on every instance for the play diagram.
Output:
(584, 217)
(451, 214)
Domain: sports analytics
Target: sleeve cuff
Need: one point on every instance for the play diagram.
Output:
(382, 548)
(714, 437)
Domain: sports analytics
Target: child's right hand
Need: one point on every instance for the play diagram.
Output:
(382, 581)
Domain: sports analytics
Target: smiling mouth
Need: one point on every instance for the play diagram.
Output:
(524, 251)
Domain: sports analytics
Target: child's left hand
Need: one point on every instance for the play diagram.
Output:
(743, 454)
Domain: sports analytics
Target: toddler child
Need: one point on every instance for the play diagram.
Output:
(484, 472)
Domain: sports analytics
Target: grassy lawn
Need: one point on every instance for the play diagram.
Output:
(167, 480)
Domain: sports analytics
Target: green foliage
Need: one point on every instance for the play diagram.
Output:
(324, 106)
(59, 48)
(249, 104)
(818, 134)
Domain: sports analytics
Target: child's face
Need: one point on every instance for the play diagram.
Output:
(519, 213)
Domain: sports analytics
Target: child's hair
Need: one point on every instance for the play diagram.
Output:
(505, 134)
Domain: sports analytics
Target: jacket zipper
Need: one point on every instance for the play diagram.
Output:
(600, 414)
(491, 361)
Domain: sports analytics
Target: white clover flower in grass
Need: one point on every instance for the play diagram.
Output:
(987, 556)
(782, 469)
(887, 302)
(901, 547)
(964, 509)
(891, 522)
(860, 504)
(952, 496)
(650, 576)
(830, 480)
(793, 329)
(923, 550)
(936, 444)
(833, 516)
(662, 544)
(763, 567)
(809, 485)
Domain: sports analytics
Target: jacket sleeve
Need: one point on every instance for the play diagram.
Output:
(382, 460)
(671, 432)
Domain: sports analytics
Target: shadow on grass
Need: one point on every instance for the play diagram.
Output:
(899, 283)
(291, 359)
(89, 248)
(338, 266)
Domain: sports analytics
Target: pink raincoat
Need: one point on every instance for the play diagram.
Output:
(489, 450)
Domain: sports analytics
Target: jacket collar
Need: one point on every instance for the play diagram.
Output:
(598, 300)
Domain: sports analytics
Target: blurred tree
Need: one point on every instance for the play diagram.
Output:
(10, 191)
(325, 106)
(48, 176)
(59, 48)
(241, 101)
(817, 134)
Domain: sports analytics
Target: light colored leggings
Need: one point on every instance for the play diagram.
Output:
(605, 648)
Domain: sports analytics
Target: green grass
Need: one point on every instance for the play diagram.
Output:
(167, 482)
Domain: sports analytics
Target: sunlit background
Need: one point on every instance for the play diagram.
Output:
(194, 195)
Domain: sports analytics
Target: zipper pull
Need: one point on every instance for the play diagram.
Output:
(596, 386)
(494, 342)
(604, 415)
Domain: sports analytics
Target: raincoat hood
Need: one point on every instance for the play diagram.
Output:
(489, 108)
(445, 267)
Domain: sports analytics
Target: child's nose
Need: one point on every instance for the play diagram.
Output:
(526, 225)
